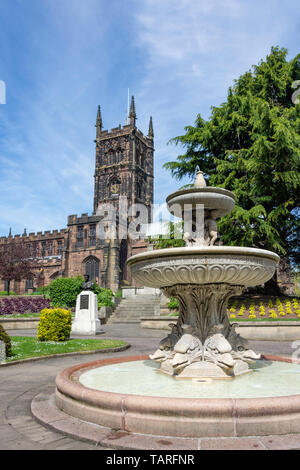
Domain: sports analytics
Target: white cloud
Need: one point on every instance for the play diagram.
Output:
(61, 59)
(194, 49)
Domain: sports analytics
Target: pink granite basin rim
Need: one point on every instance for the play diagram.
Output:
(185, 417)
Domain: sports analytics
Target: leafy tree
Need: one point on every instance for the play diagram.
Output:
(174, 240)
(251, 145)
(16, 261)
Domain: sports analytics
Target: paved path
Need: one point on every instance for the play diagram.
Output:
(19, 383)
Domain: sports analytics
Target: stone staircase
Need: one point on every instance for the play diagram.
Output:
(131, 309)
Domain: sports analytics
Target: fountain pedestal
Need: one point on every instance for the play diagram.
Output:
(203, 344)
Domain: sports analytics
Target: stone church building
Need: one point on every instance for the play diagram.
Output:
(123, 167)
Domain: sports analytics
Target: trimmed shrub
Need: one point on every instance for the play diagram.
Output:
(54, 325)
(6, 339)
(173, 304)
(64, 291)
(104, 296)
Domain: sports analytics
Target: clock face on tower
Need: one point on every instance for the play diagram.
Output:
(115, 188)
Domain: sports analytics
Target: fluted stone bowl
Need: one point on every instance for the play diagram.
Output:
(203, 265)
(219, 200)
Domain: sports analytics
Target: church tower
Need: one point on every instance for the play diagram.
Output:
(124, 163)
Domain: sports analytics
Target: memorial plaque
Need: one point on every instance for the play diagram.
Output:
(84, 302)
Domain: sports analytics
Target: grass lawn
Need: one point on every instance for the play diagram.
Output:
(24, 347)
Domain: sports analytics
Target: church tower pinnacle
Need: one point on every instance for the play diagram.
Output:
(98, 123)
(132, 114)
(150, 131)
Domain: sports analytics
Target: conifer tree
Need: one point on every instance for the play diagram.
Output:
(251, 145)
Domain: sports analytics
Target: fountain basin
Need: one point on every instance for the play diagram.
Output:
(186, 416)
(203, 265)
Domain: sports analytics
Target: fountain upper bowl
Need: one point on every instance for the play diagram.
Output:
(219, 200)
(203, 265)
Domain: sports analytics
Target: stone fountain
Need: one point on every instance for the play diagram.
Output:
(93, 400)
(202, 276)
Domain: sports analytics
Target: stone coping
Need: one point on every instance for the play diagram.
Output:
(176, 417)
(26, 296)
(18, 319)
(20, 323)
(203, 250)
(239, 323)
(45, 411)
(250, 330)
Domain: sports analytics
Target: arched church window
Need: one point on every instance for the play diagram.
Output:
(28, 284)
(92, 265)
(93, 235)
(110, 157)
(137, 158)
(80, 236)
(139, 190)
(119, 155)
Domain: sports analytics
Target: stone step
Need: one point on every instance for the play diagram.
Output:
(131, 309)
(136, 302)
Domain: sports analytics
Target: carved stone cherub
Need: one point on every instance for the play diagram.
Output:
(210, 228)
(210, 232)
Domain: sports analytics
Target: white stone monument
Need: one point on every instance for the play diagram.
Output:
(86, 317)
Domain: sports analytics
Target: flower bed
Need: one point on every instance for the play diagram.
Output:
(254, 308)
(21, 305)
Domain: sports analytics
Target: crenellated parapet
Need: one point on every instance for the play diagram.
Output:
(83, 219)
(38, 236)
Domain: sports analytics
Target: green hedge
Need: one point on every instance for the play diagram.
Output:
(173, 304)
(104, 295)
(63, 292)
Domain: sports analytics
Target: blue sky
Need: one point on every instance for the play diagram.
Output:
(61, 58)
